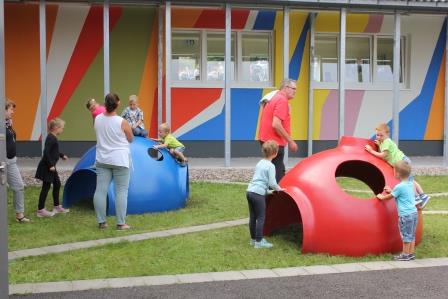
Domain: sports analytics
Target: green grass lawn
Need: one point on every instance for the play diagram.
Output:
(208, 203)
(218, 250)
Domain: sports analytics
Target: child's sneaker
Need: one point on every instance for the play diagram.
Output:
(263, 244)
(60, 210)
(418, 200)
(44, 213)
(402, 257)
(424, 200)
(412, 256)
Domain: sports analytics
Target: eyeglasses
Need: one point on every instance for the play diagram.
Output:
(293, 88)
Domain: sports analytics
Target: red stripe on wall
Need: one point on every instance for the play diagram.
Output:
(189, 102)
(88, 46)
(215, 18)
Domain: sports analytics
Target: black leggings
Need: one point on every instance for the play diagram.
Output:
(257, 209)
(44, 191)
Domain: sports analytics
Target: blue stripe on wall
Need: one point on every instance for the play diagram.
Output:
(414, 117)
(265, 20)
(245, 107)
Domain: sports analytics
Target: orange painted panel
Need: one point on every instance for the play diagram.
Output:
(148, 85)
(184, 17)
(22, 63)
(51, 12)
(434, 127)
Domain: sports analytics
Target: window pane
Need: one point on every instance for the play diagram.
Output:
(357, 60)
(325, 62)
(186, 54)
(215, 57)
(256, 57)
(385, 59)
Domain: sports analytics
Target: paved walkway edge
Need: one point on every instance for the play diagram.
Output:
(140, 237)
(81, 285)
(130, 238)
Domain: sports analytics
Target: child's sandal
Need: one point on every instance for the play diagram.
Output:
(22, 220)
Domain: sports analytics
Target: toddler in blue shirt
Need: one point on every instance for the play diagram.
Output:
(403, 193)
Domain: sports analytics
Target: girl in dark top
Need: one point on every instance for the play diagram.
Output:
(13, 176)
(46, 170)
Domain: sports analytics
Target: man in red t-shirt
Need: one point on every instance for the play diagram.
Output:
(275, 124)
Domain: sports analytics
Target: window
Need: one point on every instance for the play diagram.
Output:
(361, 67)
(198, 56)
(186, 54)
(215, 57)
(326, 59)
(357, 59)
(255, 57)
(385, 59)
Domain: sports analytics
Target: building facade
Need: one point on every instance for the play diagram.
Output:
(197, 93)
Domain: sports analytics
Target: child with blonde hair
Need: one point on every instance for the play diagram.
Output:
(47, 172)
(263, 179)
(134, 115)
(170, 142)
(94, 108)
(390, 152)
(403, 193)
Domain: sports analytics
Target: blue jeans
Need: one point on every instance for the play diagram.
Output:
(139, 132)
(408, 225)
(104, 175)
(257, 213)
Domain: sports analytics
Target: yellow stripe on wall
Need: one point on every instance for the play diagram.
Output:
(329, 22)
(299, 105)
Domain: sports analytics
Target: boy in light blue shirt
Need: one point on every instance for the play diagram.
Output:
(263, 179)
(403, 193)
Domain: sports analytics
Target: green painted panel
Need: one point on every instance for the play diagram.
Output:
(79, 123)
(129, 41)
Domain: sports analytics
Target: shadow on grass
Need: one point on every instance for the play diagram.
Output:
(291, 235)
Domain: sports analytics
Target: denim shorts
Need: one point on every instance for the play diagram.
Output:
(180, 149)
(408, 225)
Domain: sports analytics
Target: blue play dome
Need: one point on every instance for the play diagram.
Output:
(156, 184)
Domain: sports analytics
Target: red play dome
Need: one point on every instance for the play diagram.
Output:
(333, 221)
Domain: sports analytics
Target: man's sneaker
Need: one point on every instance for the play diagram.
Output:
(44, 213)
(424, 200)
(60, 210)
(402, 257)
(252, 242)
(262, 244)
(412, 256)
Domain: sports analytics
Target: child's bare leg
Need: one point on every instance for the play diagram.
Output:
(180, 155)
(417, 187)
(412, 247)
(407, 247)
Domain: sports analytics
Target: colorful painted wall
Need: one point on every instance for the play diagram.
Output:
(75, 72)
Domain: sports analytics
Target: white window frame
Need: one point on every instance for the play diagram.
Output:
(373, 84)
(236, 83)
